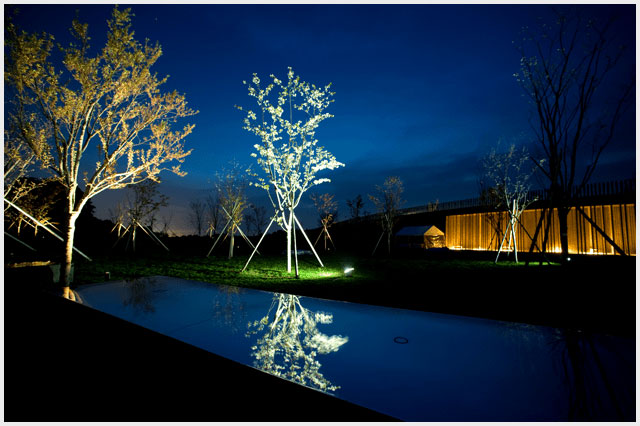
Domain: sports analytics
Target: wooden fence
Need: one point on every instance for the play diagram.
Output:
(484, 231)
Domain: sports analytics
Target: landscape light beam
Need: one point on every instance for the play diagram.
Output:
(45, 227)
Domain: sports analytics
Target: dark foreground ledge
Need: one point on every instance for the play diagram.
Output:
(66, 362)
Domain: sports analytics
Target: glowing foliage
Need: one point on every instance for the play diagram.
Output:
(110, 101)
(288, 153)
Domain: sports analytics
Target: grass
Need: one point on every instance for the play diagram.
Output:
(269, 273)
(586, 295)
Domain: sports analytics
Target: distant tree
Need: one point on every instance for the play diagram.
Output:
(212, 213)
(356, 207)
(562, 70)
(327, 209)
(508, 182)
(165, 222)
(231, 187)
(290, 167)
(387, 201)
(197, 215)
(256, 219)
(110, 102)
(139, 209)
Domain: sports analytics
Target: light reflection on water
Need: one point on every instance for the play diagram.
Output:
(450, 369)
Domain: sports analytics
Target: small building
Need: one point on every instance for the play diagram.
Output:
(425, 237)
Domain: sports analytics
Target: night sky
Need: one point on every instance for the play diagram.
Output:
(422, 91)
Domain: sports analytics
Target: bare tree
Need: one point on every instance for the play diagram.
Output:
(387, 201)
(328, 210)
(212, 213)
(563, 67)
(508, 174)
(138, 211)
(231, 186)
(197, 215)
(356, 207)
(111, 102)
(166, 223)
(256, 219)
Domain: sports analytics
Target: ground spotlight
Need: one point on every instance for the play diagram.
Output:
(348, 272)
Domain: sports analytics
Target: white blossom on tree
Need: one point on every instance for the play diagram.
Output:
(288, 155)
(290, 341)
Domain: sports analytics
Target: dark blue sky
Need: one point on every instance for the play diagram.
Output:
(422, 91)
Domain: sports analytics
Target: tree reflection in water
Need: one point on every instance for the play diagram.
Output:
(291, 342)
(229, 308)
(594, 388)
(141, 293)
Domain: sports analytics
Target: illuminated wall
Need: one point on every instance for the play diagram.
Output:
(484, 231)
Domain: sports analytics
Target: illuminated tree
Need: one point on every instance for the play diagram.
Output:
(288, 153)
(108, 100)
(290, 341)
(230, 189)
(508, 176)
(23, 155)
(387, 202)
(562, 70)
(328, 211)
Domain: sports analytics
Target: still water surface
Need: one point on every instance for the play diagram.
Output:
(415, 366)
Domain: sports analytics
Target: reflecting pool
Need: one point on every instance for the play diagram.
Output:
(415, 366)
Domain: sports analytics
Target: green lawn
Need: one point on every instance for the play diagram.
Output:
(269, 273)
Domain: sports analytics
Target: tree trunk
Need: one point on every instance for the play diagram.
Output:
(68, 258)
(563, 213)
(515, 241)
(289, 228)
(231, 242)
(389, 242)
